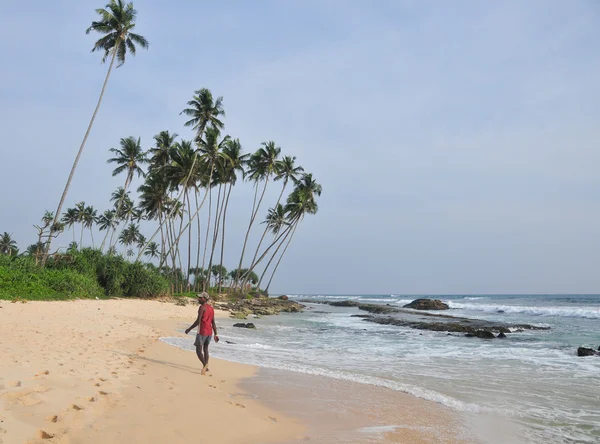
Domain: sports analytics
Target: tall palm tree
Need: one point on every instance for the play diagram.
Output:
(117, 21)
(70, 219)
(129, 236)
(286, 170)
(8, 245)
(152, 250)
(261, 166)
(80, 214)
(237, 160)
(107, 221)
(88, 220)
(154, 199)
(301, 201)
(204, 112)
(129, 158)
(160, 153)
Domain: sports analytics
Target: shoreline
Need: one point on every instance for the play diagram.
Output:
(88, 371)
(94, 371)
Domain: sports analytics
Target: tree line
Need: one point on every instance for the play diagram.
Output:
(180, 178)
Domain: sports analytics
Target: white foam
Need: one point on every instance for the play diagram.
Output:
(574, 312)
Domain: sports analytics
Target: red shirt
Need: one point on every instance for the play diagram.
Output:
(205, 328)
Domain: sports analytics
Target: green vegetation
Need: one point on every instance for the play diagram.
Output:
(183, 201)
(78, 274)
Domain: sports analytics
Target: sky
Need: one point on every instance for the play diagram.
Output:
(457, 142)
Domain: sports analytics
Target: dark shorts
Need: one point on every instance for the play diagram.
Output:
(202, 340)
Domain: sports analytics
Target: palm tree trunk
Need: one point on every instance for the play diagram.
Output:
(87, 133)
(277, 239)
(207, 280)
(223, 229)
(196, 286)
(218, 212)
(189, 262)
(92, 235)
(279, 261)
(254, 213)
(81, 238)
(266, 225)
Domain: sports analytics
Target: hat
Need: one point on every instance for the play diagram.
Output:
(204, 295)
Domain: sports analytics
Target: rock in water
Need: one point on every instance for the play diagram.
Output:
(501, 335)
(283, 298)
(584, 351)
(242, 325)
(427, 304)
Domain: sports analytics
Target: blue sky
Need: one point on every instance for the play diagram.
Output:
(456, 142)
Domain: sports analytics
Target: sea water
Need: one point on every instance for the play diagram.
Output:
(533, 379)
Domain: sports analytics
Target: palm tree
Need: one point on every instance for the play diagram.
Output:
(285, 170)
(107, 221)
(237, 160)
(70, 219)
(117, 21)
(160, 153)
(204, 112)
(8, 245)
(129, 158)
(261, 166)
(152, 250)
(153, 200)
(88, 220)
(300, 202)
(80, 214)
(129, 236)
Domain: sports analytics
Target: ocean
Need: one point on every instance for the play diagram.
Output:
(533, 379)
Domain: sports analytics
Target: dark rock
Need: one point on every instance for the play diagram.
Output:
(229, 342)
(501, 335)
(468, 335)
(242, 325)
(344, 304)
(484, 334)
(584, 351)
(283, 298)
(427, 304)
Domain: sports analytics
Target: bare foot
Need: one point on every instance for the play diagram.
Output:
(204, 370)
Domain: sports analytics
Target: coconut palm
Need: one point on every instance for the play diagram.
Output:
(152, 250)
(117, 21)
(80, 214)
(88, 219)
(130, 235)
(286, 170)
(261, 166)
(204, 112)
(129, 158)
(160, 153)
(107, 221)
(70, 219)
(8, 245)
(233, 150)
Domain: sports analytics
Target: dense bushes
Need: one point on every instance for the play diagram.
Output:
(84, 274)
(21, 278)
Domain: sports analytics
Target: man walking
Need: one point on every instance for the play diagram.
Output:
(206, 325)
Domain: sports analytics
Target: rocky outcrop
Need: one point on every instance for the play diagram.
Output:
(259, 306)
(483, 334)
(243, 325)
(283, 298)
(427, 304)
(584, 351)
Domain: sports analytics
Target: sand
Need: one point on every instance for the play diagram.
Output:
(94, 371)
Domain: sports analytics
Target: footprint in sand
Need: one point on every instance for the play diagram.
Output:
(76, 407)
(92, 399)
(213, 386)
(53, 418)
(41, 374)
(272, 419)
(15, 384)
(102, 393)
(237, 404)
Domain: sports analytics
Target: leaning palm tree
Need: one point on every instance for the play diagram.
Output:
(8, 245)
(129, 158)
(286, 170)
(107, 221)
(79, 215)
(117, 21)
(262, 165)
(160, 153)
